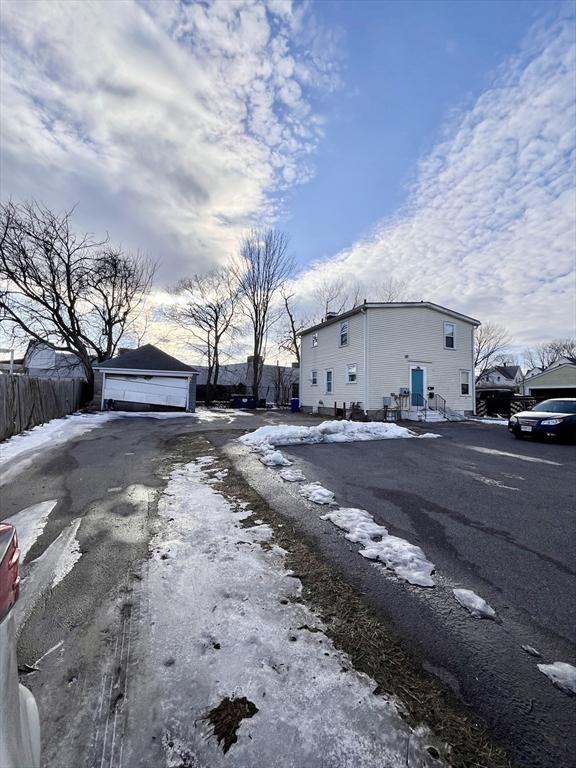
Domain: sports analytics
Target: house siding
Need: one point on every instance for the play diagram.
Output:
(330, 355)
(564, 376)
(399, 338)
(396, 339)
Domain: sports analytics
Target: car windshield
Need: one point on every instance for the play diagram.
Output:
(556, 406)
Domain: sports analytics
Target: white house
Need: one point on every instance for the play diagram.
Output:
(412, 356)
(501, 377)
(41, 361)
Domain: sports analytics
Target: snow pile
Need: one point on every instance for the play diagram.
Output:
(221, 621)
(478, 607)
(292, 475)
(316, 493)
(18, 452)
(562, 675)
(272, 458)
(70, 556)
(30, 523)
(487, 420)
(406, 560)
(327, 432)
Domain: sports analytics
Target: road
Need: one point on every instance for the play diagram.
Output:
(495, 515)
(502, 525)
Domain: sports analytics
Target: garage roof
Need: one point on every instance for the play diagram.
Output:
(146, 358)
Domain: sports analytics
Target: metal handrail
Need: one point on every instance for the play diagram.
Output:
(439, 404)
(419, 401)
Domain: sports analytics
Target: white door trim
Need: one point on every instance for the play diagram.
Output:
(424, 382)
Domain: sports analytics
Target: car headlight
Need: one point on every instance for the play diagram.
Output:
(551, 422)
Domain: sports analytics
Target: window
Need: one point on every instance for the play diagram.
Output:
(351, 373)
(464, 382)
(329, 382)
(449, 335)
(344, 333)
(314, 378)
(314, 339)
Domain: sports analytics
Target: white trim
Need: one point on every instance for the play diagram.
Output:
(326, 370)
(347, 376)
(365, 374)
(424, 383)
(461, 394)
(103, 387)
(145, 372)
(444, 334)
(347, 324)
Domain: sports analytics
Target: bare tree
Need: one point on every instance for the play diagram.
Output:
(204, 308)
(261, 271)
(288, 338)
(549, 352)
(490, 343)
(387, 291)
(71, 292)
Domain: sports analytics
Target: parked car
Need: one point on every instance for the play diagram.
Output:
(19, 719)
(550, 419)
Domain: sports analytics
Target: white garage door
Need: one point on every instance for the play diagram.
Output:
(155, 390)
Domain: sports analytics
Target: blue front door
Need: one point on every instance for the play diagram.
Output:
(417, 386)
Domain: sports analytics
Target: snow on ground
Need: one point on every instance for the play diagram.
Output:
(317, 493)
(273, 458)
(487, 420)
(18, 451)
(224, 620)
(475, 604)
(562, 675)
(328, 432)
(406, 560)
(292, 475)
(70, 556)
(30, 523)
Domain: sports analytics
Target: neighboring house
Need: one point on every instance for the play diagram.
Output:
(278, 383)
(501, 377)
(145, 379)
(399, 355)
(41, 361)
(558, 380)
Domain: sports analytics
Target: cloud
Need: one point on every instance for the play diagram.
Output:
(173, 125)
(489, 226)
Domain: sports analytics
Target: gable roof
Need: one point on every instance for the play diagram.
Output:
(146, 358)
(508, 371)
(391, 305)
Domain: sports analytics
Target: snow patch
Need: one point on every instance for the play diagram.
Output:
(477, 606)
(70, 557)
(317, 493)
(562, 675)
(328, 432)
(225, 620)
(275, 459)
(30, 523)
(407, 560)
(292, 475)
(497, 422)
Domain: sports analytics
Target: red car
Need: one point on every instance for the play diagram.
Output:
(19, 719)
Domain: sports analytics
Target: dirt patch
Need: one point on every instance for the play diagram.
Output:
(226, 718)
(357, 630)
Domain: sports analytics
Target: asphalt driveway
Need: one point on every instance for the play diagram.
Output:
(495, 515)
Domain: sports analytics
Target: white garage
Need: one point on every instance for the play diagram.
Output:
(146, 378)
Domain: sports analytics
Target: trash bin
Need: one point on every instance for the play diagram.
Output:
(295, 405)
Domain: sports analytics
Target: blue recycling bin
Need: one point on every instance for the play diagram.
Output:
(295, 405)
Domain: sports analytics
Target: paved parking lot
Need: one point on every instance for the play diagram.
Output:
(495, 515)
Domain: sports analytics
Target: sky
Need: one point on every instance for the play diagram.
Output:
(433, 142)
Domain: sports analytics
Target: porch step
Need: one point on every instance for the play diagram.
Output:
(428, 416)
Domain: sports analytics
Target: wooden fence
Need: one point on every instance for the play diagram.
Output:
(26, 402)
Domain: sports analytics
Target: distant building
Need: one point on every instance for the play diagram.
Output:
(558, 380)
(43, 362)
(278, 383)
